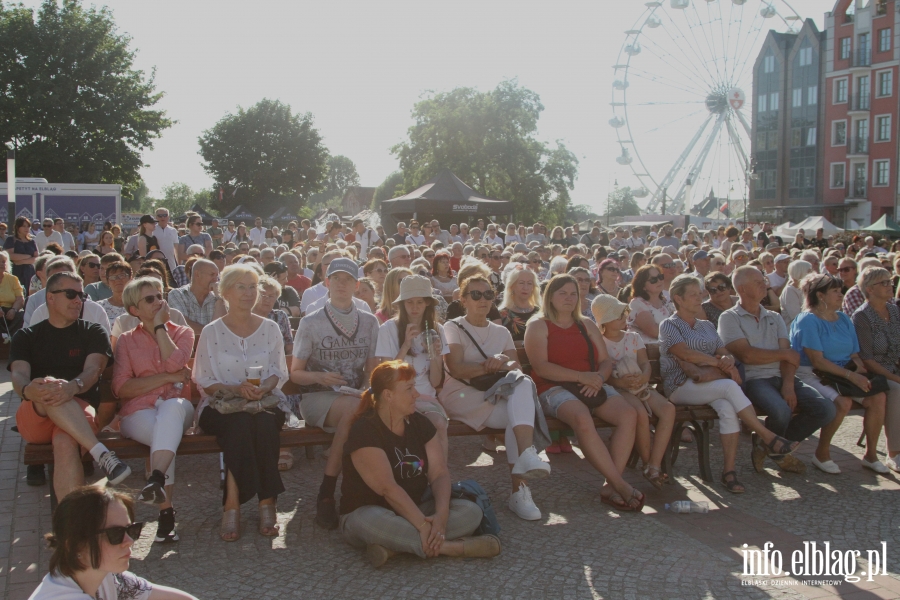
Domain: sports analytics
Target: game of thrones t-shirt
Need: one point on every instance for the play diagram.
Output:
(406, 455)
(340, 343)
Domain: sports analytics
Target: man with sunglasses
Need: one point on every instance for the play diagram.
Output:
(90, 310)
(668, 269)
(759, 339)
(166, 237)
(47, 235)
(400, 256)
(56, 364)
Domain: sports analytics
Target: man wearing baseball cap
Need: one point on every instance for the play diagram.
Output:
(779, 277)
(334, 347)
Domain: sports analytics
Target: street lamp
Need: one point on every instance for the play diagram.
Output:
(11, 188)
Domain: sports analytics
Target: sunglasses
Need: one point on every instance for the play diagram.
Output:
(71, 294)
(116, 535)
(656, 279)
(613, 269)
(846, 269)
(93, 265)
(158, 216)
(478, 295)
(149, 299)
(718, 288)
(535, 261)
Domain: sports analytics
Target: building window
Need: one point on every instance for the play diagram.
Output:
(839, 138)
(773, 140)
(883, 128)
(761, 103)
(770, 179)
(806, 56)
(884, 39)
(809, 177)
(840, 91)
(769, 64)
(811, 136)
(796, 137)
(882, 173)
(845, 48)
(773, 101)
(812, 95)
(838, 171)
(795, 177)
(797, 98)
(885, 83)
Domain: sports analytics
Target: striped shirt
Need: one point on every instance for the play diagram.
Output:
(702, 337)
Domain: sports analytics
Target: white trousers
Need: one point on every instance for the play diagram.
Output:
(724, 395)
(160, 427)
(517, 410)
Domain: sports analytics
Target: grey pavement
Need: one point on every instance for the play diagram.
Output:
(580, 549)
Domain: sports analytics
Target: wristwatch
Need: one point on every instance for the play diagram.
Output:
(158, 327)
(78, 381)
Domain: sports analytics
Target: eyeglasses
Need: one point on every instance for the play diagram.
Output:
(535, 261)
(118, 277)
(71, 294)
(92, 265)
(847, 269)
(583, 280)
(884, 283)
(149, 299)
(718, 288)
(269, 297)
(656, 279)
(613, 269)
(116, 535)
(478, 295)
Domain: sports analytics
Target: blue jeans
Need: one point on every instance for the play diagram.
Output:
(813, 411)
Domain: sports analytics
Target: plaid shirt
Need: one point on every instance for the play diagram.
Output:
(180, 277)
(853, 300)
(183, 299)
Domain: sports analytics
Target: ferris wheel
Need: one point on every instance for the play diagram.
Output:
(681, 97)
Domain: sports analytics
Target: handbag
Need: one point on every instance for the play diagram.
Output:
(574, 388)
(845, 387)
(226, 403)
(482, 383)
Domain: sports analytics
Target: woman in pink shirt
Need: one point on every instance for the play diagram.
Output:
(149, 377)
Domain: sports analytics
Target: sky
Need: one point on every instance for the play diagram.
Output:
(359, 67)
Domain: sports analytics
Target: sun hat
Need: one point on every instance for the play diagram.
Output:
(607, 308)
(413, 286)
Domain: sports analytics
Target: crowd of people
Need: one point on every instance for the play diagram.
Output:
(390, 336)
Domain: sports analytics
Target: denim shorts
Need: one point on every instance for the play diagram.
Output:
(556, 396)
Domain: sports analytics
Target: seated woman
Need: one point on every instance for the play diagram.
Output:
(687, 338)
(127, 322)
(151, 360)
(401, 339)
(877, 324)
(720, 290)
(249, 441)
(469, 268)
(391, 456)
(648, 306)
(389, 292)
(521, 301)
(791, 295)
(442, 278)
(117, 276)
(826, 340)
(563, 347)
(479, 347)
(93, 531)
(609, 274)
(629, 354)
(12, 297)
(586, 290)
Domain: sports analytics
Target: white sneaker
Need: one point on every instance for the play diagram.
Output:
(521, 503)
(876, 466)
(892, 464)
(530, 466)
(829, 466)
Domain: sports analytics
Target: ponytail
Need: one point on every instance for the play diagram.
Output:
(384, 377)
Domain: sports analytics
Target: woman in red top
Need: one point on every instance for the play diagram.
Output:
(557, 346)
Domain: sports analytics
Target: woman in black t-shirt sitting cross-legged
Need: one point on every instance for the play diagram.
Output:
(390, 458)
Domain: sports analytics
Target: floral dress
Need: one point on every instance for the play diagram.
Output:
(515, 322)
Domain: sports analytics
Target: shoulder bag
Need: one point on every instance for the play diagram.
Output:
(845, 387)
(482, 383)
(574, 388)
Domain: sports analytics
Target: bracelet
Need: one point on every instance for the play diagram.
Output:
(422, 525)
(158, 327)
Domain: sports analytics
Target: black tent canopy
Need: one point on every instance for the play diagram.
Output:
(240, 214)
(444, 195)
(205, 216)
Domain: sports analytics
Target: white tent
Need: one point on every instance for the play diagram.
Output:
(809, 227)
(784, 230)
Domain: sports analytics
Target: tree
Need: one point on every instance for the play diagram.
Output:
(341, 176)
(262, 154)
(178, 198)
(580, 212)
(71, 103)
(621, 203)
(391, 187)
(488, 140)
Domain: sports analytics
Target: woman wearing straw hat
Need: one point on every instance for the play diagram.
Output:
(413, 335)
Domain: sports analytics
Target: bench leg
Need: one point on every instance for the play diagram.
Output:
(701, 436)
(310, 452)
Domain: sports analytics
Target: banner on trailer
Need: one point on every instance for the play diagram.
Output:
(25, 205)
(80, 209)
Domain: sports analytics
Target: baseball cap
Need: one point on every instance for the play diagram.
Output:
(700, 255)
(147, 219)
(782, 257)
(343, 265)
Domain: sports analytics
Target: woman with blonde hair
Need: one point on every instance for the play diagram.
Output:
(389, 292)
(791, 295)
(521, 301)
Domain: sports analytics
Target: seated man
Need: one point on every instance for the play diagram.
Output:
(759, 339)
(334, 347)
(198, 301)
(100, 291)
(179, 273)
(55, 367)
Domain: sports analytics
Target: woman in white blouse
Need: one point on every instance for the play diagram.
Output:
(227, 347)
(791, 296)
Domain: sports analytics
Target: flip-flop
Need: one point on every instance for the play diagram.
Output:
(617, 502)
(268, 519)
(231, 523)
(285, 459)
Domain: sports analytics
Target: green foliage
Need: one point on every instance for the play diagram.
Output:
(264, 152)
(580, 212)
(488, 140)
(71, 103)
(391, 187)
(342, 175)
(178, 198)
(622, 203)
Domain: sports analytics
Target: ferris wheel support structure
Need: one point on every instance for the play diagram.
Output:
(669, 179)
(678, 204)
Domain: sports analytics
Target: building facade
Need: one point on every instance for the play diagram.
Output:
(861, 109)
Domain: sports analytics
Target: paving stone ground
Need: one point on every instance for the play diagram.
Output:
(580, 549)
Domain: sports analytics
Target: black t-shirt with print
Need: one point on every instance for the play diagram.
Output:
(406, 455)
(289, 297)
(61, 352)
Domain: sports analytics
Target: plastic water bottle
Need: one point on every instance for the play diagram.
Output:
(686, 506)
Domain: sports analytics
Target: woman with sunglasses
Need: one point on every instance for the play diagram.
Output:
(93, 531)
(847, 271)
(479, 347)
(469, 268)
(827, 342)
(719, 287)
(88, 267)
(117, 276)
(22, 250)
(609, 274)
(536, 264)
(442, 278)
(648, 305)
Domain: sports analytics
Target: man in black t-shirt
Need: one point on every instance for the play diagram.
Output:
(55, 367)
(289, 301)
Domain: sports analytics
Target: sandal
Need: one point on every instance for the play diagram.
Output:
(566, 445)
(268, 519)
(231, 525)
(617, 502)
(779, 446)
(285, 459)
(732, 484)
(656, 477)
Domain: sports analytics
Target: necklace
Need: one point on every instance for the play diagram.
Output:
(519, 309)
(604, 290)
